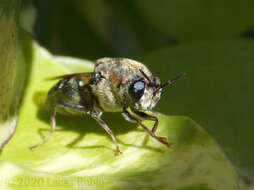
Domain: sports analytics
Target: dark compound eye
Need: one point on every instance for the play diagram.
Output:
(136, 90)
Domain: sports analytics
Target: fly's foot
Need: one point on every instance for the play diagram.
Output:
(164, 141)
(118, 152)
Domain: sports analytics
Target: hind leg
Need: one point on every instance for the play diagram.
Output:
(53, 121)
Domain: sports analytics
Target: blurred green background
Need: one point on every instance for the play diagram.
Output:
(211, 40)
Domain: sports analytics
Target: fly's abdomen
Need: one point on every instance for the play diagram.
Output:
(65, 90)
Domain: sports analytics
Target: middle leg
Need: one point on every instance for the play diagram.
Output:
(107, 129)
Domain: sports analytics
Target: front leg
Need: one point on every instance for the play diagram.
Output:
(131, 118)
(148, 117)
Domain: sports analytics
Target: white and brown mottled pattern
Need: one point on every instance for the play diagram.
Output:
(117, 74)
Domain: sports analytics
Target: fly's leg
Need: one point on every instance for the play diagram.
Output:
(130, 117)
(148, 117)
(107, 129)
(53, 121)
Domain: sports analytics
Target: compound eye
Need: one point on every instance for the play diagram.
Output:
(136, 90)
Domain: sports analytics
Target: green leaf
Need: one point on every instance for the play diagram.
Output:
(217, 92)
(81, 155)
(11, 84)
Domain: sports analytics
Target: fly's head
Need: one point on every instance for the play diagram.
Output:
(144, 96)
(145, 92)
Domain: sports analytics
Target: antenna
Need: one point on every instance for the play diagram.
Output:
(172, 80)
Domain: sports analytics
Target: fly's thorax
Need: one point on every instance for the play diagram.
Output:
(119, 70)
(106, 97)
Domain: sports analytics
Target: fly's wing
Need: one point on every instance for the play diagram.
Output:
(84, 77)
